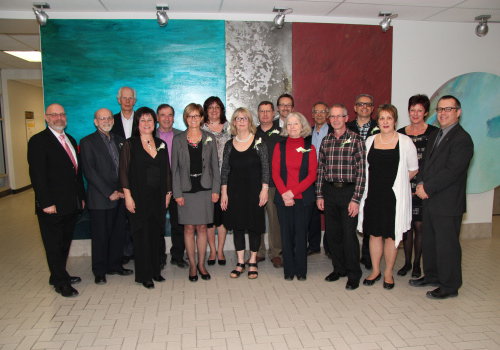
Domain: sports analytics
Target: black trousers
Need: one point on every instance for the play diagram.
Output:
(145, 233)
(340, 230)
(441, 250)
(314, 237)
(294, 222)
(57, 234)
(239, 240)
(177, 234)
(107, 230)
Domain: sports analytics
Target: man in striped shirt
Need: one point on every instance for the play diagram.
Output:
(339, 188)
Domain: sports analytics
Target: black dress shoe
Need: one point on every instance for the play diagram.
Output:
(205, 277)
(193, 278)
(312, 252)
(389, 285)
(352, 284)
(404, 270)
(122, 272)
(148, 284)
(75, 279)
(210, 262)
(159, 278)
(288, 278)
(334, 276)
(126, 259)
(421, 282)
(221, 262)
(368, 282)
(417, 272)
(67, 291)
(100, 279)
(181, 263)
(439, 293)
(301, 278)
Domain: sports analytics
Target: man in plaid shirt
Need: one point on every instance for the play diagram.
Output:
(339, 188)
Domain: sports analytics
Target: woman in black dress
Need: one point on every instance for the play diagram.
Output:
(245, 183)
(418, 131)
(385, 209)
(147, 185)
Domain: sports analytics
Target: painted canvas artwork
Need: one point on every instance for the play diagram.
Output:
(85, 62)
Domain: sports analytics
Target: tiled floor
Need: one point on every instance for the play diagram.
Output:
(225, 313)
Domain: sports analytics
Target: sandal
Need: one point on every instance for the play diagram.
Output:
(236, 273)
(252, 274)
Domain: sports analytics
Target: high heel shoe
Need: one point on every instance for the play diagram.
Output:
(211, 262)
(252, 274)
(193, 278)
(368, 282)
(206, 276)
(235, 273)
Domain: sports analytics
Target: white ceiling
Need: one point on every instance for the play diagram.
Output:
(19, 30)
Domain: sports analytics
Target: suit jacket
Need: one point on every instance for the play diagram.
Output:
(181, 179)
(53, 175)
(444, 172)
(353, 126)
(118, 125)
(99, 170)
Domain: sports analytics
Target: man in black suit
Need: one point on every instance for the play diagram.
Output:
(100, 160)
(123, 127)
(284, 105)
(59, 194)
(364, 126)
(442, 181)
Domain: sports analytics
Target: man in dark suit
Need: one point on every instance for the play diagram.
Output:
(166, 132)
(442, 181)
(100, 160)
(364, 126)
(284, 105)
(59, 194)
(321, 128)
(123, 127)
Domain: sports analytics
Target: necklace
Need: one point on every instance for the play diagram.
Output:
(386, 143)
(194, 142)
(245, 140)
(149, 146)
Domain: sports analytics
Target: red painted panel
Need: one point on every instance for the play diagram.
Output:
(336, 62)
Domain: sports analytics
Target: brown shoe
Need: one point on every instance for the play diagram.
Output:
(259, 259)
(277, 262)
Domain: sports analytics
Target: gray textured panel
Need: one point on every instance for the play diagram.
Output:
(258, 64)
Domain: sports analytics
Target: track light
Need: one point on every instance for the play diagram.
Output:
(482, 27)
(40, 14)
(279, 20)
(161, 14)
(386, 22)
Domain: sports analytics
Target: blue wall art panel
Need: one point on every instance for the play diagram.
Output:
(478, 94)
(258, 64)
(85, 62)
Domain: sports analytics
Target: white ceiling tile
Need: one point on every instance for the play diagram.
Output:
(417, 3)
(481, 4)
(33, 41)
(302, 7)
(372, 11)
(464, 15)
(10, 44)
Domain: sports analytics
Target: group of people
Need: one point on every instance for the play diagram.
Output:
(225, 175)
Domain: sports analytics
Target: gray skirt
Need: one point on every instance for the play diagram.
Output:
(198, 209)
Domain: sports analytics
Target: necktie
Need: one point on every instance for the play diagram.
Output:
(438, 138)
(66, 147)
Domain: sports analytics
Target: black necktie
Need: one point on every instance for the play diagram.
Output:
(438, 138)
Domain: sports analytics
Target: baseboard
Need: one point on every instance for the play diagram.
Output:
(5, 191)
(476, 231)
(22, 189)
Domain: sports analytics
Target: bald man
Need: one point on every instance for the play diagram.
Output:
(100, 154)
(56, 176)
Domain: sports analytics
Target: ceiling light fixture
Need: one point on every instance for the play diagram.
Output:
(482, 27)
(279, 20)
(40, 14)
(161, 14)
(386, 22)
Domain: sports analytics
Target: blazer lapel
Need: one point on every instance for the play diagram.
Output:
(57, 145)
(442, 144)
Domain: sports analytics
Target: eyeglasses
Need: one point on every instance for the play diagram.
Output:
(217, 108)
(338, 116)
(55, 115)
(445, 109)
(285, 105)
(320, 112)
(367, 104)
(241, 119)
(194, 116)
(104, 118)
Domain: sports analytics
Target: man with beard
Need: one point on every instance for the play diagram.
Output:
(59, 194)
(100, 158)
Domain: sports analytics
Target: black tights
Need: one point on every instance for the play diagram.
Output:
(416, 226)
(239, 240)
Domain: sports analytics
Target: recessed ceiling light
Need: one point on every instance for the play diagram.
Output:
(30, 56)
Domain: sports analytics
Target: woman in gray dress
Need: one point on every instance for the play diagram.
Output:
(196, 185)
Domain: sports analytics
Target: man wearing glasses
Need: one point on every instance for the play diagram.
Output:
(339, 188)
(321, 128)
(100, 153)
(442, 181)
(364, 126)
(56, 176)
(284, 105)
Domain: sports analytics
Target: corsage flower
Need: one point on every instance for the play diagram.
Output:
(345, 142)
(258, 142)
(303, 150)
(275, 131)
(375, 129)
(207, 140)
(162, 146)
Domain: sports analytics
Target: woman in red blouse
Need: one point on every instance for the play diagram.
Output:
(294, 173)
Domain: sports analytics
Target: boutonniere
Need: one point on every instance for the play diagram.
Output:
(275, 131)
(375, 129)
(120, 145)
(345, 142)
(207, 140)
(258, 142)
(162, 146)
(303, 150)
